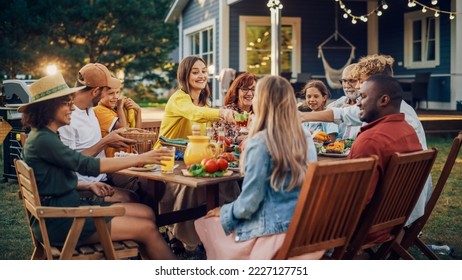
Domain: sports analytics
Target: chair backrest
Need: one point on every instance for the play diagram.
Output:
(286, 75)
(328, 209)
(418, 225)
(303, 77)
(394, 198)
(43, 250)
(422, 77)
(31, 200)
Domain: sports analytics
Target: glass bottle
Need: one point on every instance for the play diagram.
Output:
(221, 139)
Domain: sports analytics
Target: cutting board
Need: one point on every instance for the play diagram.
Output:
(186, 173)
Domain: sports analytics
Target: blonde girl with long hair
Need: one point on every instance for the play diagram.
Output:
(274, 164)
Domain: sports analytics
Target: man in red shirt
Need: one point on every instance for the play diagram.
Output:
(386, 131)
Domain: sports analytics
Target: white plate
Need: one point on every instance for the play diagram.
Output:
(333, 155)
(143, 168)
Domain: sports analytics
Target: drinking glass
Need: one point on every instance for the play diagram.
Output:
(170, 162)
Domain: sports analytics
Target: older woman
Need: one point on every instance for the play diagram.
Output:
(239, 98)
(55, 166)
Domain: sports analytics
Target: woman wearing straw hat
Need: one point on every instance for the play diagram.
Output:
(55, 165)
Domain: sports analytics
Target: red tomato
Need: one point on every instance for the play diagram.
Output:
(222, 164)
(227, 142)
(204, 161)
(228, 156)
(211, 165)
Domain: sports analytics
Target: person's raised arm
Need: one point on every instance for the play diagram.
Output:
(320, 116)
(113, 139)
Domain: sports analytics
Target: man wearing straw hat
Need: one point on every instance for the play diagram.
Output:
(84, 133)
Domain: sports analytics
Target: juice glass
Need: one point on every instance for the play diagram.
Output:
(170, 162)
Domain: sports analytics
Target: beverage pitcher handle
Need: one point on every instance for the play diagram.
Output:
(214, 149)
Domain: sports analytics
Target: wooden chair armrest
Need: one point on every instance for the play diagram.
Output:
(80, 212)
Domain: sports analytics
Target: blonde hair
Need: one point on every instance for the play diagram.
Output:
(372, 65)
(276, 116)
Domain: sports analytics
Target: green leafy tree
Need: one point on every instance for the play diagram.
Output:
(128, 36)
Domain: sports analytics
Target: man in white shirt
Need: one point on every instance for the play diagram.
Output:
(347, 131)
(368, 66)
(84, 133)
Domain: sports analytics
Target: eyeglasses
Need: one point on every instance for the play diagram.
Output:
(246, 90)
(351, 82)
(69, 103)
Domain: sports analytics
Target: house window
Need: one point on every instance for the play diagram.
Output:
(421, 40)
(255, 45)
(201, 44)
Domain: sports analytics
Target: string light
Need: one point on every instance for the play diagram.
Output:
(274, 5)
(364, 18)
(437, 12)
(384, 6)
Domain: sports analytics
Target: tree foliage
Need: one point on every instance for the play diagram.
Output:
(128, 36)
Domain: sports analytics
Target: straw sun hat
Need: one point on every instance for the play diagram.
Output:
(47, 88)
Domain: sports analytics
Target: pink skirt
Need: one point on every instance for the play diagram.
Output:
(219, 246)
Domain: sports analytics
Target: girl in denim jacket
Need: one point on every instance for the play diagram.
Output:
(274, 164)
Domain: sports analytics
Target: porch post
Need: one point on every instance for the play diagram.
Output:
(275, 8)
(456, 54)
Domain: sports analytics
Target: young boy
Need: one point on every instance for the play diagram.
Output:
(111, 113)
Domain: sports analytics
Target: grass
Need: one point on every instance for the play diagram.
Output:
(443, 227)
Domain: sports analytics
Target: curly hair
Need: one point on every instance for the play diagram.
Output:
(373, 65)
(41, 114)
(245, 80)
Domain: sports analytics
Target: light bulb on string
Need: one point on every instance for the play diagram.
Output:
(424, 10)
(451, 16)
(434, 2)
(353, 21)
(379, 13)
(384, 5)
(437, 14)
(345, 15)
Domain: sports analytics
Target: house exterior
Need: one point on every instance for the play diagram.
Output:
(234, 34)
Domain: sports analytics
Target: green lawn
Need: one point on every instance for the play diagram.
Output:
(444, 226)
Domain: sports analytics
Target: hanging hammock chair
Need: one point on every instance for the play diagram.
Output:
(333, 76)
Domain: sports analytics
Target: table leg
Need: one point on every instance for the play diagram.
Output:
(212, 196)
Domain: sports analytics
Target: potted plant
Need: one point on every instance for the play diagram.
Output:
(459, 105)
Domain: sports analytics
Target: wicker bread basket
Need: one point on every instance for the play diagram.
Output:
(145, 139)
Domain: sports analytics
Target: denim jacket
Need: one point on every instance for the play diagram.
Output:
(259, 210)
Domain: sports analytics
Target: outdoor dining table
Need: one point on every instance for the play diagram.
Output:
(157, 181)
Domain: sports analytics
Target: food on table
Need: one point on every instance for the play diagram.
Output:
(338, 147)
(222, 164)
(241, 119)
(320, 136)
(348, 142)
(228, 156)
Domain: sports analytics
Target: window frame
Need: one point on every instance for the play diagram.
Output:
(409, 19)
(295, 22)
(208, 26)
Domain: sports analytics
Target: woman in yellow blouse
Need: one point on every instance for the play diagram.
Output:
(188, 105)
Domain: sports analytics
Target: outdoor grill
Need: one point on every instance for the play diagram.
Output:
(16, 92)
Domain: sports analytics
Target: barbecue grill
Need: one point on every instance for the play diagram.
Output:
(16, 93)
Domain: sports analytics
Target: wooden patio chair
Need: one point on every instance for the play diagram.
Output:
(411, 233)
(328, 209)
(392, 203)
(106, 249)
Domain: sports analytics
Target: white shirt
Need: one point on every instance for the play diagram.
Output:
(82, 133)
(345, 131)
(350, 116)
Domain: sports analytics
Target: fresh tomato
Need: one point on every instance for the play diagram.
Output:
(222, 164)
(228, 156)
(211, 165)
(204, 161)
(228, 142)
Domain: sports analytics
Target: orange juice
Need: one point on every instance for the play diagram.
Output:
(168, 167)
